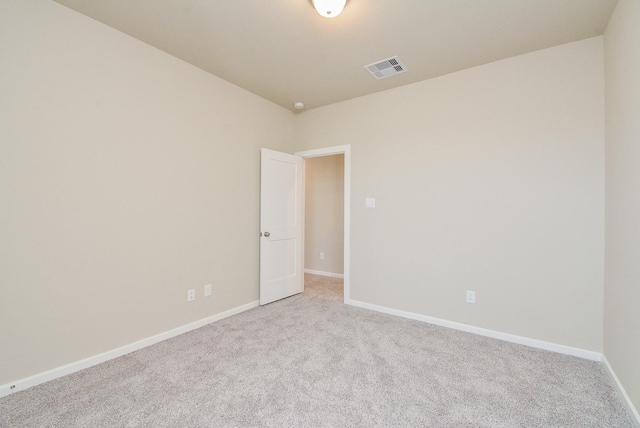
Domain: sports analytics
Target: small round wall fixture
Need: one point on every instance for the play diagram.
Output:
(329, 8)
(298, 105)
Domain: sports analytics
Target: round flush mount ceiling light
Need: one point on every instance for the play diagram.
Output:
(299, 105)
(329, 8)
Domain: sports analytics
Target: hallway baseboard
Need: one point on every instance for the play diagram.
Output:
(321, 273)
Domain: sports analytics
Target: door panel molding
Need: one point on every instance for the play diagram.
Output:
(281, 225)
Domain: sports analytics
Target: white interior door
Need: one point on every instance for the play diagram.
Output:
(281, 270)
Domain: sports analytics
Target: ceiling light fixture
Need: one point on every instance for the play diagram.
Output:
(329, 8)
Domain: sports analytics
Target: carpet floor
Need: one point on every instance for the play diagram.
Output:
(311, 361)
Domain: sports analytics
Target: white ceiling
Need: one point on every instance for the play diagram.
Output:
(282, 50)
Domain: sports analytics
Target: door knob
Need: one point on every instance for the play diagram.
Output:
(267, 234)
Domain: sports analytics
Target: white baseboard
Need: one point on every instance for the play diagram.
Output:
(548, 346)
(632, 409)
(319, 272)
(67, 369)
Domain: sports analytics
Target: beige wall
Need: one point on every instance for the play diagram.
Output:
(490, 179)
(622, 250)
(126, 178)
(324, 214)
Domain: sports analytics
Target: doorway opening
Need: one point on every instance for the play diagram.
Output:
(326, 263)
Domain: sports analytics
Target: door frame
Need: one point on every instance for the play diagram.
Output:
(346, 151)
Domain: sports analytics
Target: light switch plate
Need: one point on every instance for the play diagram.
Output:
(370, 203)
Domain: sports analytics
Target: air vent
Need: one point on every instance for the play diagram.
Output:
(386, 68)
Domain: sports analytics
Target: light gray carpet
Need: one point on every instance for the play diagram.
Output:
(310, 361)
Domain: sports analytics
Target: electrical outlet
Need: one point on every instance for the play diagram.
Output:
(321, 256)
(191, 295)
(471, 296)
(207, 290)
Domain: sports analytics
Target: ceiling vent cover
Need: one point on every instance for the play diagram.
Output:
(386, 68)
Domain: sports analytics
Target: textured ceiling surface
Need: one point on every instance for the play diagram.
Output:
(282, 50)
